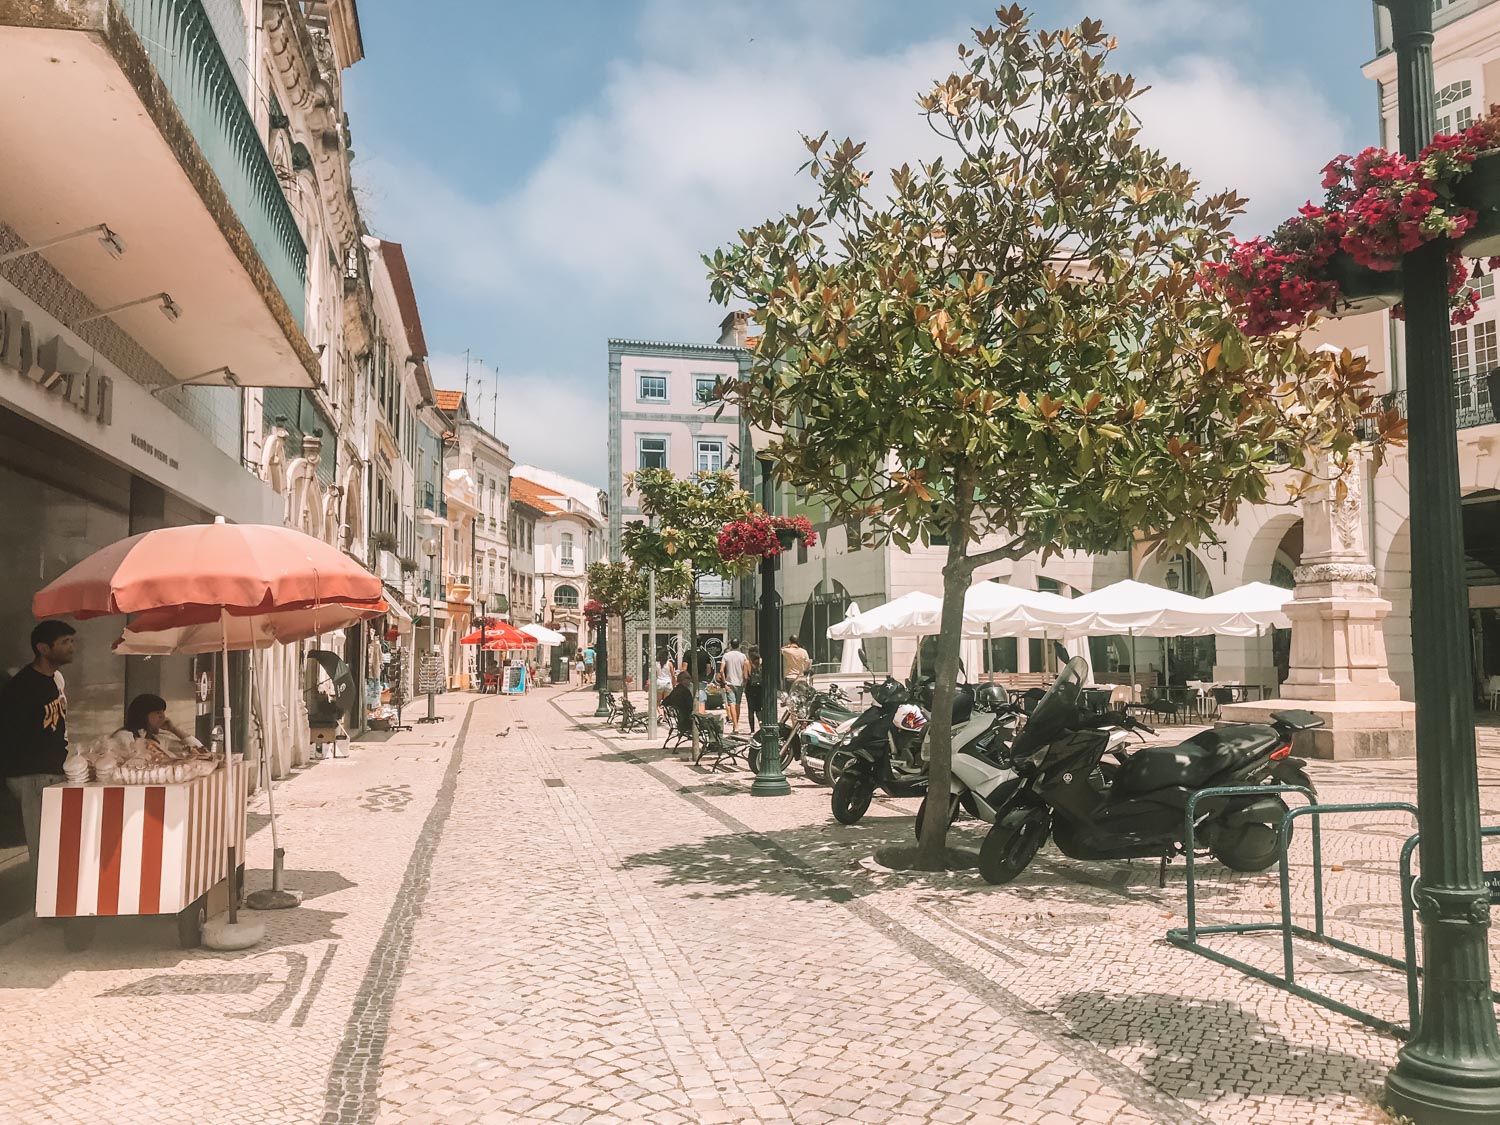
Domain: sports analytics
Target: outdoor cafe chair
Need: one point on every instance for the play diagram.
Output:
(712, 740)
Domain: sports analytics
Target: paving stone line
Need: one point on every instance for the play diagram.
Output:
(350, 1097)
(1048, 1030)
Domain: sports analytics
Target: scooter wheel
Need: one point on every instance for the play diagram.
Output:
(1013, 843)
(953, 812)
(852, 794)
(1247, 847)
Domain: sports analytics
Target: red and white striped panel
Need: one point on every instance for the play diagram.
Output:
(136, 849)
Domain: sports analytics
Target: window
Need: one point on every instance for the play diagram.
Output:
(651, 452)
(1453, 115)
(710, 456)
(651, 386)
(703, 387)
(1486, 354)
(1460, 352)
(565, 597)
(714, 586)
(567, 550)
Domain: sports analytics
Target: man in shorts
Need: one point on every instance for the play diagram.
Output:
(732, 667)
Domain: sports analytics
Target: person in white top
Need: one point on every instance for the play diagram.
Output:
(732, 667)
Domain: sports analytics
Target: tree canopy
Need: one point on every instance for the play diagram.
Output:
(1013, 346)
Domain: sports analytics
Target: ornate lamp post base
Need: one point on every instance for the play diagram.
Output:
(601, 671)
(769, 780)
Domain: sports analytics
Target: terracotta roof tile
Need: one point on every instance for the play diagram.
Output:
(406, 296)
(448, 401)
(533, 495)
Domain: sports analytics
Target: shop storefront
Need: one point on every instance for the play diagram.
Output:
(88, 457)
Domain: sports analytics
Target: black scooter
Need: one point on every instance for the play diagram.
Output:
(1140, 811)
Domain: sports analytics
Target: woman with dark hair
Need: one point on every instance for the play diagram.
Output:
(754, 685)
(147, 717)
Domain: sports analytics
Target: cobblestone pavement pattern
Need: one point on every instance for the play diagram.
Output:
(518, 917)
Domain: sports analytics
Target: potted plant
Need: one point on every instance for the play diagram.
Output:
(384, 541)
(408, 564)
(759, 536)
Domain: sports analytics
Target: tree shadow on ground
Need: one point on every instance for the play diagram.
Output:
(1205, 1049)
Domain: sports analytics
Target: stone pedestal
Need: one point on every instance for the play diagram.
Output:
(1338, 662)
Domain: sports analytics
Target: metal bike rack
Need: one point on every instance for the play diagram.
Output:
(1188, 937)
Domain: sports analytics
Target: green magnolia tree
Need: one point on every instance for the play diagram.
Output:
(680, 536)
(620, 590)
(1012, 350)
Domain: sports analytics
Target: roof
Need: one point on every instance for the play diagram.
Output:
(448, 401)
(531, 494)
(406, 296)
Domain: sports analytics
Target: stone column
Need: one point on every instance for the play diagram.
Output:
(1338, 663)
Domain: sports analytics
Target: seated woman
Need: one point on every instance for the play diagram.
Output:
(146, 717)
(680, 701)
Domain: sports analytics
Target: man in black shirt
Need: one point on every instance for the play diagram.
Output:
(34, 726)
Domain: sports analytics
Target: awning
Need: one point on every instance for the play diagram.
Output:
(398, 613)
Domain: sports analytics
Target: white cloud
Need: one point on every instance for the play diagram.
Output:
(695, 133)
(559, 424)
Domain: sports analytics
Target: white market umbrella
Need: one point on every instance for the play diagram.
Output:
(1251, 607)
(543, 635)
(916, 614)
(852, 647)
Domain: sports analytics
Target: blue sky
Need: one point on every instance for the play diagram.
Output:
(554, 169)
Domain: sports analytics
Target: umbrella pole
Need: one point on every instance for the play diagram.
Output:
(1260, 655)
(278, 897)
(1134, 688)
(232, 934)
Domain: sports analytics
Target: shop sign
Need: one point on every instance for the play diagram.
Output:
(55, 367)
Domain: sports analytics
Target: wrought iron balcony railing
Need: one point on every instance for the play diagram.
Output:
(1476, 399)
(181, 42)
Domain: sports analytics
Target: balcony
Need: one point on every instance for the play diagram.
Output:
(130, 115)
(1475, 401)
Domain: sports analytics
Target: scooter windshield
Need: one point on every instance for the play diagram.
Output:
(1055, 710)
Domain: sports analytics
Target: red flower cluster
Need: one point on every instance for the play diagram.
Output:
(593, 613)
(754, 537)
(1379, 206)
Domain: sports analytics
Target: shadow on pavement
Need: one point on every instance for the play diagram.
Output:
(1204, 1049)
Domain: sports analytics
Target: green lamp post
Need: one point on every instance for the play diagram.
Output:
(601, 667)
(1450, 1070)
(769, 781)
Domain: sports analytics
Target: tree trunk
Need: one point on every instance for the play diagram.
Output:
(956, 573)
(692, 653)
(625, 659)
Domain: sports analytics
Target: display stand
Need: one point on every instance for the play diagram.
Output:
(117, 850)
(515, 679)
(396, 677)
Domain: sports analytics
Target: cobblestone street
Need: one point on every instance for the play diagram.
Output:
(518, 916)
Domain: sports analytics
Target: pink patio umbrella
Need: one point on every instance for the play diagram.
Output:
(235, 570)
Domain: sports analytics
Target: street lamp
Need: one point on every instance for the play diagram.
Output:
(432, 547)
(1450, 1070)
(769, 781)
(601, 666)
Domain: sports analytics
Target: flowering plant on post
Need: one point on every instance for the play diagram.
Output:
(759, 536)
(1007, 351)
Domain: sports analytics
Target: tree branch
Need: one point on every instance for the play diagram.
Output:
(1013, 550)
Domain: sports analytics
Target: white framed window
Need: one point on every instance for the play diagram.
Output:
(565, 597)
(714, 586)
(1460, 338)
(1455, 106)
(650, 452)
(651, 386)
(708, 455)
(703, 387)
(566, 550)
(1486, 353)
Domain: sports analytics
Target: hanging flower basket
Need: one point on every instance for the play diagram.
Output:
(593, 613)
(1360, 288)
(759, 536)
(1479, 191)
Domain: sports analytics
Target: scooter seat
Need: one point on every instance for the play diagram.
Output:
(1193, 762)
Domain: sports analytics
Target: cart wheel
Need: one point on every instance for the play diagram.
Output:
(190, 923)
(78, 933)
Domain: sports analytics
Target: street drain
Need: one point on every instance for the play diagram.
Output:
(553, 782)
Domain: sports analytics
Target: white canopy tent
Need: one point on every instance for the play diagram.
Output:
(543, 635)
(911, 615)
(852, 647)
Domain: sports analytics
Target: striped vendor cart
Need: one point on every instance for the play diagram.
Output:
(112, 850)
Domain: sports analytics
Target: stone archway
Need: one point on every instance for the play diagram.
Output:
(1393, 578)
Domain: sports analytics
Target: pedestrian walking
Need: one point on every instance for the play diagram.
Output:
(754, 683)
(588, 664)
(34, 726)
(795, 663)
(732, 667)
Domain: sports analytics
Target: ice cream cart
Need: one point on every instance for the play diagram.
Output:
(109, 850)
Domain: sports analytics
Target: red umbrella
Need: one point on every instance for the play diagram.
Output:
(232, 568)
(499, 635)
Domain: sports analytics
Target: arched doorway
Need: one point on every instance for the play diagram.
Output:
(825, 608)
(1179, 659)
(1284, 566)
